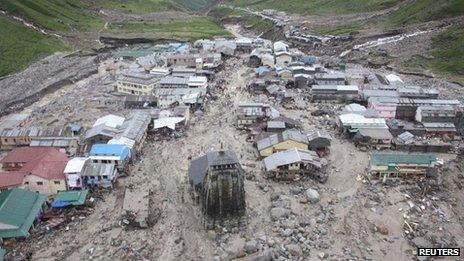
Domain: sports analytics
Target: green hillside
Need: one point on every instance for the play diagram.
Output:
(447, 55)
(425, 10)
(316, 7)
(22, 46)
(62, 15)
(182, 29)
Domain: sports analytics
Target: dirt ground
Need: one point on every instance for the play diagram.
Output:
(343, 225)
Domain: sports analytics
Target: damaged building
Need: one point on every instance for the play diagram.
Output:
(293, 164)
(249, 113)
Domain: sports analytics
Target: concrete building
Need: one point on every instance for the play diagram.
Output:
(387, 166)
(22, 136)
(73, 171)
(137, 84)
(110, 153)
(40, 169)
(283, 59)
(329, 78)
(249, 113)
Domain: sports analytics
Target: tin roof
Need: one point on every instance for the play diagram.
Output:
(290, 156)
(68, 198)
(98, 169)
(281, 137)
(75, 165)
(110, 120)
(384, 159)
(18, 211)
(118, 150)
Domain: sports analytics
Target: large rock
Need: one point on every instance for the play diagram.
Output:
(277, 213)
(251, 247)
(312, 195)
(294, 250)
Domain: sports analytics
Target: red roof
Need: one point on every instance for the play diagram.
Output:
(26, 154)
(11, 179)
(47, 163)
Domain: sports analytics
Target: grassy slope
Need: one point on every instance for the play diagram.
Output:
(448, 55)
(316, 6)
(189, 29)
(147, 6)
(62, 15)
(425, 10)
(22, 46)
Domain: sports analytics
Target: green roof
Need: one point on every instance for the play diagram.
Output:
(74, 197)
(18, 210)
(382, 159)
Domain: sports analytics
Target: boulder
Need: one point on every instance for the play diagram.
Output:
(312, 195)
(277, 213)
(294, 250)
(251, 247)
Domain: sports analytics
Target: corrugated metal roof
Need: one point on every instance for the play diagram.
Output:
(110, 120)
(383, 134)
(169, 122)
(118, 150)
(75, 165)
(383, 159)
(406, 137)
(291, 156)
(18, 210)
(281, 137)
(276, 125)
(318, 133)
(98, 169)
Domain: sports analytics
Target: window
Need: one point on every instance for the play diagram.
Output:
(40, 183)
(57, 182)
(105, 176)
(26, 183)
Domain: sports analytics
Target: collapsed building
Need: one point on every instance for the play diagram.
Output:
(293, 164)
(217, 181)
(249, 113)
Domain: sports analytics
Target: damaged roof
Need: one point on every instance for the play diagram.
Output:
(272, 140)
(292, 156)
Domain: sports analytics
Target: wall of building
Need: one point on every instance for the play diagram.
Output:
(44, 186)
(134, 88)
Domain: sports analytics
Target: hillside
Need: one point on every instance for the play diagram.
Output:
(316, 7)
(22, 46)
(82, 22)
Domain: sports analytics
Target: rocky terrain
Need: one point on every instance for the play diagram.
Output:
(348, 217)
